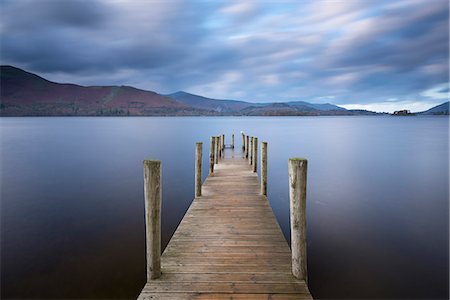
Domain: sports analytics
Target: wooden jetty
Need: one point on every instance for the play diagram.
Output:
(229, 244)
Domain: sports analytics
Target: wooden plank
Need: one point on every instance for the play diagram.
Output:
(216, 296)
(195, 268)
(228, 277)
(224, 287)
(226, 254)
(232, 249)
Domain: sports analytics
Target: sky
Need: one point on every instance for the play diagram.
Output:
(370, 54)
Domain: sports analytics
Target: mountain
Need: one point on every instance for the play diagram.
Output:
(200, 102)
(288, 109)
(441, 109)
(279, 109)
(324, 106)
(26, 94)
(248, 108)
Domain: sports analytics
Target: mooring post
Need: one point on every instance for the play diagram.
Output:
(298, 168)
(223, 141)
(264, 168)
(255, 154)
(211, 155)
(216, 138)
(198, 168)
(250, 160)
(152, 193)
(243, 141)
(232, 141)
(246, 146)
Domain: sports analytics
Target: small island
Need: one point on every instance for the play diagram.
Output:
(404, 112)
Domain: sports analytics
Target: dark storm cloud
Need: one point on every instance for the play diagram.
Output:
(344, 52)
(91, 36)
(24, 15)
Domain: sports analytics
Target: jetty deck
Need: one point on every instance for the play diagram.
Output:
(229, 244)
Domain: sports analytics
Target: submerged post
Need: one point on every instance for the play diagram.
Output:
(243, 141)
(232, 141)
(298, 168)
(246, 146)
(264, 168)
(216, 138)
(152, 194)
(198, 168)
(255, 154)
(211, 155)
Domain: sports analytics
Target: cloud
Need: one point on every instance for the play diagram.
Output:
(361, 52)
(439, 92)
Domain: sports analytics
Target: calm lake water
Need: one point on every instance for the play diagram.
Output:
(72, 208)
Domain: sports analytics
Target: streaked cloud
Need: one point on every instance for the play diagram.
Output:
(363, 53)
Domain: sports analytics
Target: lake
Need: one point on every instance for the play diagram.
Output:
(72, 207)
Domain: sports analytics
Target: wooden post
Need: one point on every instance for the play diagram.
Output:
(198, 168)
(216, 139)
(218, 146)
(250, 160)
(246, 146)
(223, 141)
(232, 141)
(298, 168)
(264, 168)
(243, 141)
(211, 155)
(152, 193)
(255, 154)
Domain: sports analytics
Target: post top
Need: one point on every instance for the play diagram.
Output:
(151, 161)
(297, 159)
(199, 142)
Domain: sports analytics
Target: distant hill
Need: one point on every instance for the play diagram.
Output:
(441, 109)
(26, 94)
(200, 102)
(286, 109)
(324, 106)
(235, 107)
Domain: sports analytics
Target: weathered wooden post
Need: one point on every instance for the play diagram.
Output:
(216, 138)
(255, 154)
(198, 168)
(264, 168)
(243, 141)
(250, 160)
(298, 168)
(246, 146)
(223, 141)
(232, 141)
(152, 194)
(211, 155)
